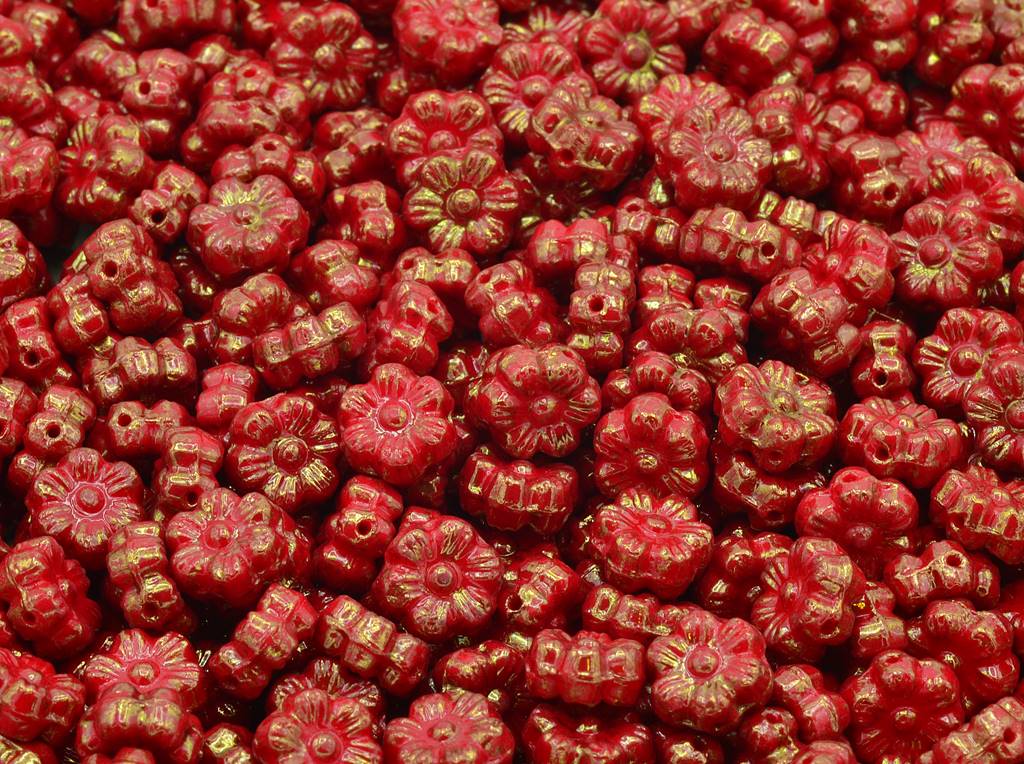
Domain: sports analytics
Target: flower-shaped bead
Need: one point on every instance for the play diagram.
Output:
(366, 214)
(585, 668)
(327, 50)
(434, 121)
(440, 578)
(952, 358)
(312, 726)
(993, 733)
(981, 512)
(986, 102)
(732, 580)
(645, 543)
(583, 136)
(901, 706)
(703, 339)
(329, 675)
(453, 39)
(649, 445)
(945, 256)
(82, 501)
(900, 439)
(490, 668)
(466, 199)
(22, 268)
(655, 372)
(286, 448)
(870, 518)
(163, 208)
(552, 734)
(753, 51)
(146, 662)
(722, 238)
(511, 308)
(994, 407)
(28, 169)
(943, 570)
(397, 426)
(783, 418)
(883, 366)
(274, 155)
(37, 703)
(230, 548)
(714, 158)
(821, 713)
(534, 400)
(443, 726)
(247, 227)
(807, 597)
(406, 326)
(537, 591)
(708, 673)
(629, 45)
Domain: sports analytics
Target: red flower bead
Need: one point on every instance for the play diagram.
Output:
(397, 426)
(353, 539)
(869, 180)
(772, 731)
(538, 591)
(36, 702)
(534, 400)
(141, 582)
(942, 571)
(953, 358)
(820, 713)
(901, 706)
(679, 747)
(443, 726)
(649, 445)
(452, 39)
(900, 439)
(552, 735)
(247, 227)
(645, 543)
(544, 23)
(329, 675)
(17, 404)
(227, 389)
(955, 34)
(102, 62)
(732, 580)
(372, 646)
(366, 214)
(45, 598)
(629, 45)
(490, 668)
(986, 102)
(583, 137)
(993, 734)
(654, 372)
(981, 512)
(227, 744)
(448, 274)
(313, 726)
(464, 199)
(991, 405)
(60, 424)
(944, 256)
(135, 370)
(331, 272)
(708, 673)
(434, 121)
(147, 663)
(938, 143)
(883, 34)
(978, 646)
(241, 315)
(82, 501)
(22, 268)
(163, 208)
(883, 367)
(781, 417)
(159, 96)
(327, 50)
(351, 145)
(27, 101)
(511, 308)
(103, 168)
(754, 51)
(286, 448)
(230, 548)
(263, 642)
(642, 617)
(172, 22)
(768, 500)
(520, 76)
(440, 578)
(714, 158)
(28, 169)
(52, 29)
(671, 99)
(722, 238)
(806, 600)
(273, 155)
(586, 668)
(868, 517)
(876, 628)
(514, 494)
(704, 339)
(406, 326)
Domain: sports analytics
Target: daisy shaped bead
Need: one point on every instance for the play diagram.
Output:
(535, 400)
(464, 198)
(982, 512)
(994, 406)
(398, 425)
(313, 726)
(446, 727)
(82, 501)
(651, 446)
(440, 579)
(708, 673)
(286, 448)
